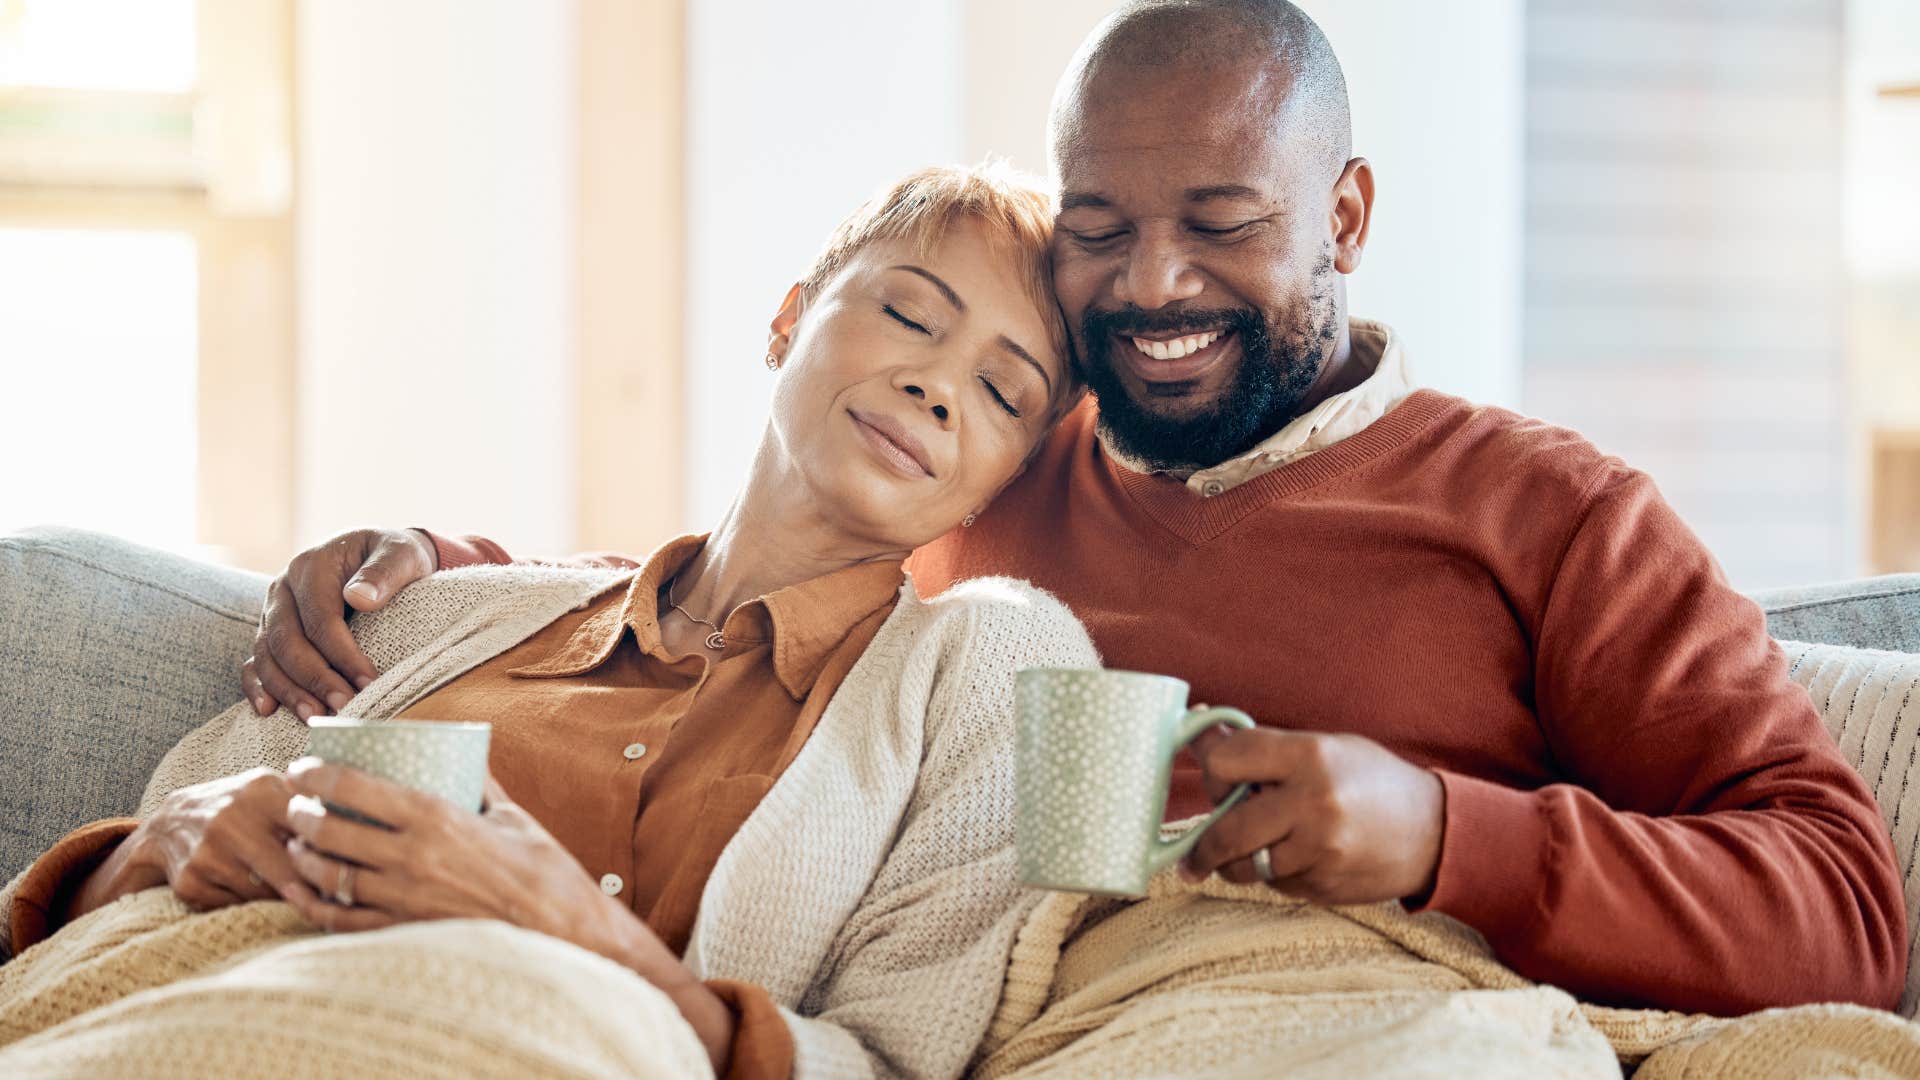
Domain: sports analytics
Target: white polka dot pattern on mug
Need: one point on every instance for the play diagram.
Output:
(1091, 775)
(448, 760)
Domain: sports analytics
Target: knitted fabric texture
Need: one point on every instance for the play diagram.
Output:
(144, 988)
(872, 892)
(1218, 980)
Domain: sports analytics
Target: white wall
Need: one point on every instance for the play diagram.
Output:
(436, 355)
(1015, 51)
(1437, 109)
(795, 114)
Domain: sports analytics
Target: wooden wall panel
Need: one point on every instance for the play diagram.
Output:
(632, 258)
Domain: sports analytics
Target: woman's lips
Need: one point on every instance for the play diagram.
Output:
(1198, 352)
(894, 443)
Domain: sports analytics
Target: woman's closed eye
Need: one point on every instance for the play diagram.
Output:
(894, 313)
(1000, 397)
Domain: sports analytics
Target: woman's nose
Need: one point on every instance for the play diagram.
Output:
(919, 393)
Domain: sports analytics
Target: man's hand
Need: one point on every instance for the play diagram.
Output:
(303, 655)
(1345, 821)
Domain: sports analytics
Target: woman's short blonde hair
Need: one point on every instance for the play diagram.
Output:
(922, 206)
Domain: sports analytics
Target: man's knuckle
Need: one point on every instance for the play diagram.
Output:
(279, 635)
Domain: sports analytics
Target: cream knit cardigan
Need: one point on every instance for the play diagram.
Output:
(872, 892)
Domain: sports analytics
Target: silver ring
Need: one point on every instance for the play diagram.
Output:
(1263, 865)
(343, 890)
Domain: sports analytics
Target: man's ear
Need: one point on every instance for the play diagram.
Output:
(1352, 214)
(780, 330)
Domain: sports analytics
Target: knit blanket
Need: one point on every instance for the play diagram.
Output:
(143, 987)
(1219, 980)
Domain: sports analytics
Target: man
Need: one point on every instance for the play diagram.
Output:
(1497, 677)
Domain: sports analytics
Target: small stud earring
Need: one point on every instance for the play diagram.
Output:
(773, 362)
(967, 522)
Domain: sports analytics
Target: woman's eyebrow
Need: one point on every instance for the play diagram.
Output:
(1013, 347)
(946, 290)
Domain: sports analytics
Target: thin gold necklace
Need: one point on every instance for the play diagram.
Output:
(716, 640)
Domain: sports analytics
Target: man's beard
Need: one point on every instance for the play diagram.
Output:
(1276, 372)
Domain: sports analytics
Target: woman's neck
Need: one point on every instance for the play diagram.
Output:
(771, 538)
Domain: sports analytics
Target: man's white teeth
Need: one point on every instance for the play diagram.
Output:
(1178, 347)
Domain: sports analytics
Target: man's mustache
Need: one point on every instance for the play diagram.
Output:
(1133, 321)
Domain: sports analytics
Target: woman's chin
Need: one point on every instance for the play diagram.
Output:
(883, 509)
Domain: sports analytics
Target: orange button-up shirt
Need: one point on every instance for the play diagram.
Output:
(644, 764)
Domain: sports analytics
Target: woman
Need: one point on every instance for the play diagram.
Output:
(760, 750)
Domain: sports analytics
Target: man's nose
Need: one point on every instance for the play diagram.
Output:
(1156, 274)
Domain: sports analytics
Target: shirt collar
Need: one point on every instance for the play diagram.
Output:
(805, 622)
(811, 619)
(1376, 348)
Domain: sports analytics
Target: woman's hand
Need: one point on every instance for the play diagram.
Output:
(437, 861)
(432, 861)
(217, 843)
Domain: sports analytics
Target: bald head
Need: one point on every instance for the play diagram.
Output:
(1291, 79)
(1207, 202)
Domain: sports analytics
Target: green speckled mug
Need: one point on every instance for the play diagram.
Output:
(441, 758)
(1093, 757)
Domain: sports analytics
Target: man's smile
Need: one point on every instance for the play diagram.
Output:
(1172, 359)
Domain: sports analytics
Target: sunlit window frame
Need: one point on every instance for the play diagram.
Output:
(171, 178)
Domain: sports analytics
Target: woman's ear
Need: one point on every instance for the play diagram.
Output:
(780, 330)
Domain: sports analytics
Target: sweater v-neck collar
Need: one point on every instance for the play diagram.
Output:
(1198, 519)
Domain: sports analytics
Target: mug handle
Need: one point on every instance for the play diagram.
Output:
(1165, 852)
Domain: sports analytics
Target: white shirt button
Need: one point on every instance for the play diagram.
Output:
(635, 751)
(1212, 488)
(611, 884)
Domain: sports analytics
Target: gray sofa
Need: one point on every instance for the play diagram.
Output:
(110, 652)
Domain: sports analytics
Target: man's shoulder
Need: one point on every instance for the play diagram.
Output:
(1501, 449)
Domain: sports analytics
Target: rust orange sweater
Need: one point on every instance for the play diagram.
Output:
(1640, 806)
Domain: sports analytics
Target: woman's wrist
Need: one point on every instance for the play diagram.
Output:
(711, 1018)
(123, 872)
(637, 949)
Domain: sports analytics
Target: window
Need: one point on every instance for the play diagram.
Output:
(97, 424)
(144, 163)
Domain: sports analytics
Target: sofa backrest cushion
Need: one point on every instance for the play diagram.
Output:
(1867, 613)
